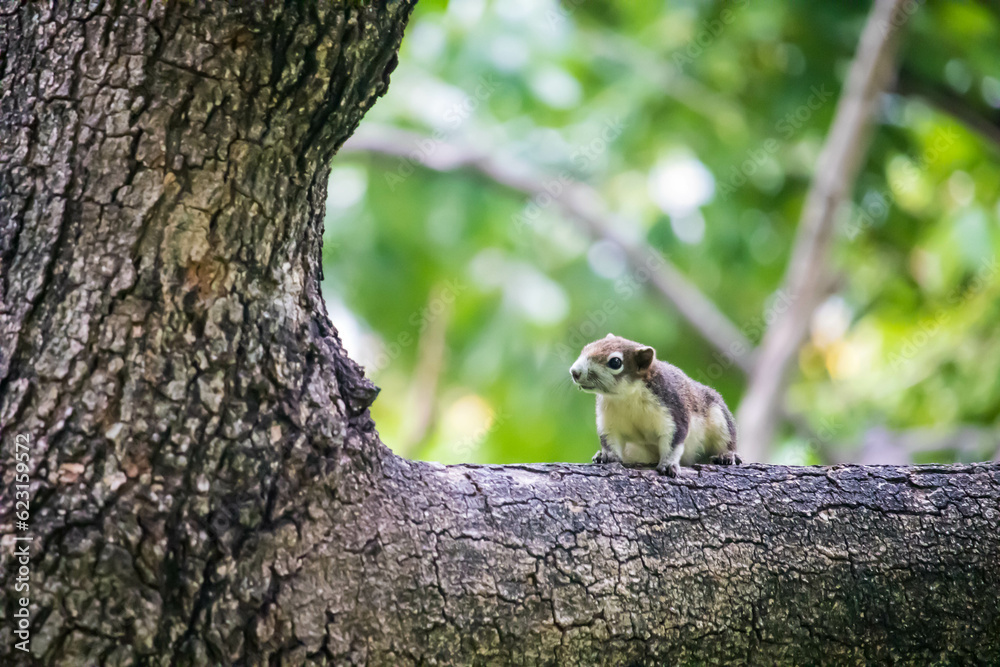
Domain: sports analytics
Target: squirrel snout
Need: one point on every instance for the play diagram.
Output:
(575, 373)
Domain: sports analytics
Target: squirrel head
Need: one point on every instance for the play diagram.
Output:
(611, 364)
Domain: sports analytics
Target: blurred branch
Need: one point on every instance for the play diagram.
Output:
(950, 103)
(583, 206)
(423, 396)
(665, 79)
(884, 447)
(808, 270)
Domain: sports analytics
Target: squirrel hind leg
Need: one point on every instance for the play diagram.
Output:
(724, 434)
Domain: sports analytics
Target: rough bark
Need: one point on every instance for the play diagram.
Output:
(163, 343)
(757, 565)
(206, 484)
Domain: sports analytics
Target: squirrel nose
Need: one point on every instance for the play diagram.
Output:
(575, 373)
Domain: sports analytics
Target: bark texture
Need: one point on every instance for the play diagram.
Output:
(206, 483)
(575, 564)
(163, 343)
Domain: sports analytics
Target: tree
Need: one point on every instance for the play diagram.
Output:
(206, 484)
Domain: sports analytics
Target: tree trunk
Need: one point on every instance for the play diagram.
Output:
(206, 486)
(163, 342)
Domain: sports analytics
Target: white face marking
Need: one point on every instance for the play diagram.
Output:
(596, 378)
(582, 373)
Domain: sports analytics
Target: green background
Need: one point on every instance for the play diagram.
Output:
(699, 124)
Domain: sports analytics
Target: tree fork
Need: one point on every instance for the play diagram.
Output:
(206, 483)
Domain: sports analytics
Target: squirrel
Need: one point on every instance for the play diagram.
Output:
(648, 410)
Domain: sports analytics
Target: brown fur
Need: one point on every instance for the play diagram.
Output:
(651, 407)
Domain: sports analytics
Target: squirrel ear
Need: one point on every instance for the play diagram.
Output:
(610, 335)
(644, 357)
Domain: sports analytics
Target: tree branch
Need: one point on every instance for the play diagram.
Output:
(881, 445)
(422, 399)
(808, 270)
(948, 102)
(583, 206)
(589, 564)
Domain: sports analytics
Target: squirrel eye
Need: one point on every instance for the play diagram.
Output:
(615, 363)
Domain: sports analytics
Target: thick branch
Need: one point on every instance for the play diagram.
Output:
(808, 272)
(583, 206)
(580, 564)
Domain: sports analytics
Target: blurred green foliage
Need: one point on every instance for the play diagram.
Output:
(699, 123)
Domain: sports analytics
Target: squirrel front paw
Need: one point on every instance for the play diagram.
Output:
(670, 470)
(728, 459)
(600, 457)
